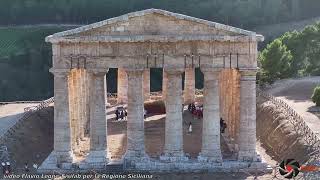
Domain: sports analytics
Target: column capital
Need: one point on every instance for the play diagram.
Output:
(60, 72)
(98, 72)
(210, 73)
(248, 74)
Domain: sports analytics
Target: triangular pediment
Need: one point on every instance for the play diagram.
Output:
(152, 22)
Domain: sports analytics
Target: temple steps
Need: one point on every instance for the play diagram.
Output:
(115, 167)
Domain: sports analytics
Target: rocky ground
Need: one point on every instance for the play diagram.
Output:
(32, 142)
(297, 94)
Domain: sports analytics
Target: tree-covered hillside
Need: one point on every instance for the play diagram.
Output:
(25, 58)
(241, 13)
(294, 54)
(24, 63)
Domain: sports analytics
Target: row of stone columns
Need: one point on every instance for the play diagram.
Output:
(98, 154)
(122, 88)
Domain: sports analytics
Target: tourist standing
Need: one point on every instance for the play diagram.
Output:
(3, 168)
(8, 167)
(117, 114)
(121, 114)
(190, 128)
(26, 167)
(125, 114)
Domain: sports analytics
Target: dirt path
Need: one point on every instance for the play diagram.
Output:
(36, 138)
(297, 93)
(10, 114)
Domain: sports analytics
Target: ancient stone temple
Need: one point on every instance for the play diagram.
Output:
(134, 43)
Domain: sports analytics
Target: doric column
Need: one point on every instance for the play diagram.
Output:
(173, 123)
(135, 123)
(146, 84)
(82, 107)
(122, 86)
(72, 110)
(62, 130)
(164, 84)
(106, 92)
(87, 97)
(76, 109)
(189, 86)
(98, 120)
(247, 127)
(211, 150)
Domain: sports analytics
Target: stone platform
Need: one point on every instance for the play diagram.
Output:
(157, 165)
(194, 165)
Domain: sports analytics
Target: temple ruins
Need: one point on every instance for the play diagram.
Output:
(134, 43)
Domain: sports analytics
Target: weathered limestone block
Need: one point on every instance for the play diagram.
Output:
(189, 86)
(62, 131)
(247, 126)
(98, 121)
(135, 123)
(146, 84)
(173, 123)
(211, 149)
(122, 86)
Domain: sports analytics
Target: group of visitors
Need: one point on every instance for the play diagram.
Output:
(121, 114)
(6, 168)
(196, 110)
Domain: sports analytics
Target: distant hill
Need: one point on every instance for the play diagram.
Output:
(273, 31)
(25, 59)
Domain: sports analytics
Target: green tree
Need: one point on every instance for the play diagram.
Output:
(316, 96)
(275, 62)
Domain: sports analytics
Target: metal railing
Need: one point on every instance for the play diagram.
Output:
(299, 126)
(27, 114)
(43, 104)
(19, 102)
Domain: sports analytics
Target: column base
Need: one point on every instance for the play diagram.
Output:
(131, 158)
(135, 155)
(97, 159)
(249, 156)
(57, 161)
(174, 157)
(210, 159)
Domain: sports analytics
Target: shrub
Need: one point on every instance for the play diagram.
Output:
(316, 96)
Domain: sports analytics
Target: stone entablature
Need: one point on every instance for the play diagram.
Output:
(134, 43)
(155, 55)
